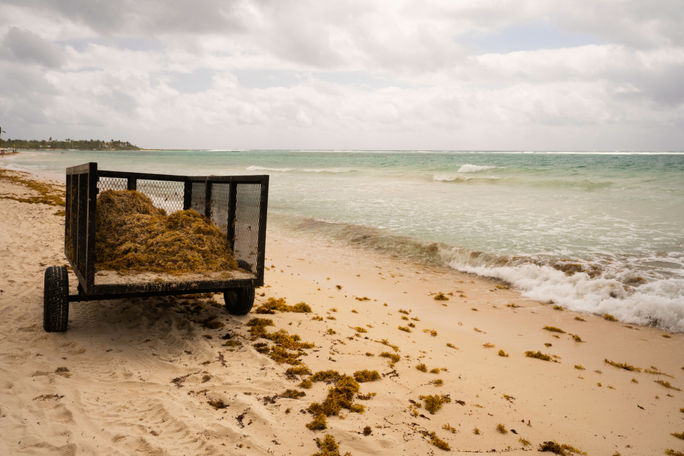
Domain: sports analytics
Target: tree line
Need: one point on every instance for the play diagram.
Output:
(79, 144)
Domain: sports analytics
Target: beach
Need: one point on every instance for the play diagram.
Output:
(181, 376)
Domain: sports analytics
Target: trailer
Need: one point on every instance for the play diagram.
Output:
(236, 204)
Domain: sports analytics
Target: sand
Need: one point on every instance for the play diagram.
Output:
(136, 376)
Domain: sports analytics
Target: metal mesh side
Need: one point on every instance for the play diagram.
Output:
(220, 195)
(111, 183)
(167, 195)
(78, 238)
(198, 196)
(71, 219)
(247, 210)
(82, 222)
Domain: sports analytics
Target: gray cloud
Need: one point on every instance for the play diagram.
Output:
(18, 81)
(102, 16)
(192, 16)
(26, 46)
(633, 23)
(108, 17)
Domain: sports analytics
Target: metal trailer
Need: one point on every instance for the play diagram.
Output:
(236, 204)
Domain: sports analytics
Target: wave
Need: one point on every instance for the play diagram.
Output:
(301, 170)
(634, 300)
(464, 179)
(468, 168)
(621, 287)
(583, 184)
(570, 152)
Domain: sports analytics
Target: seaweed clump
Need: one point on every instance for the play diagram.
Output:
(340, 396)
(436, 441)
(386, 343)
(292, 372)
(671, 452)
(666, 384)
(328, 447)
(279, 305)
(556, 448)
(282, 340)
(624, 366)
(434, 402)
(318, 423)
(327, 376)
(132, 235)
(538, 355)
(292, 394)
(553, 329)
(218, 404)
(366, 375)
(393, 357)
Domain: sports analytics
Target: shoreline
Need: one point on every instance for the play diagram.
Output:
(123, 359)
(584, 265)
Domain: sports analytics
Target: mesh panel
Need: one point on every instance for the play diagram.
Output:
(220, 195)
(112, 183)
(71, 228)
(82, 222)
(198, 197)
(76, 221)
(247, 223)
(167, 195)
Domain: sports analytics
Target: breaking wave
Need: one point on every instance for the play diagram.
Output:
(301, 170)
(468, 168)
(618, 286)
(446, 178)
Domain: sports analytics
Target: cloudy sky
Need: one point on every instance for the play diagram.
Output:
(353, 74)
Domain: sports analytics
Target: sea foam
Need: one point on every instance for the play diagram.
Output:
(656, 303)
(468, 168)
(300, 170)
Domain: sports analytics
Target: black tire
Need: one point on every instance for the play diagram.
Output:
(56, 299)
(239, 301)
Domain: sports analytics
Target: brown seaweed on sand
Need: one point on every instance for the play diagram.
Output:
(278, 305)
(340, 396)
(552, 446)
(328, 447)
(434, 402)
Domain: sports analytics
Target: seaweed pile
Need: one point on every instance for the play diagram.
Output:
(132, 235)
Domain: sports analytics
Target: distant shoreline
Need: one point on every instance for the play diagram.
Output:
(68, 144)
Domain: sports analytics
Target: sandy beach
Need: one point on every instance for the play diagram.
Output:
(180, 376)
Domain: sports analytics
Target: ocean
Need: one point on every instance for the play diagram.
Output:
(595, 232)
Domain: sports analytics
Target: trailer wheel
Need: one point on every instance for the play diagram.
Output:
(56, 299)
(239, 301)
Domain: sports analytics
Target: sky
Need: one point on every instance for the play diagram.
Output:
(349, 74)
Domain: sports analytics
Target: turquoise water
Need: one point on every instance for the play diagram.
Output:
(597, 232)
